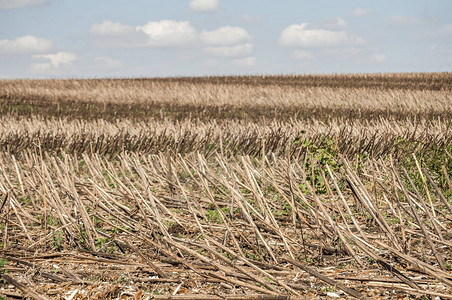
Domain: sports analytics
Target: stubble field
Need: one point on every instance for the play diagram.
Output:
(260, 187)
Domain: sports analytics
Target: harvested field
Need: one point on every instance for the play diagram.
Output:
(272, 187)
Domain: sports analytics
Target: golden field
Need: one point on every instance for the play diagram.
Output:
(250, 187)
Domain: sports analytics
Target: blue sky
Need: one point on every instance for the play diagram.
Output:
(147, 38)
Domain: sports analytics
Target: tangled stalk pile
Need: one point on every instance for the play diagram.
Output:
(227, 188)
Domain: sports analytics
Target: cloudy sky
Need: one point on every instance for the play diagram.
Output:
(138, 38)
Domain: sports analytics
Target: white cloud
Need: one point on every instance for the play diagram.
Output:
(25, 44)
(401, 21)
(315, 45)
(303, 55)
(6, 4)
(227, 41)
(231, 51)
(57, 59)
(360, 12)
(204, 5)
(115, 34)
(109, 28)
(108, 62)
(247, 62)
(226, 35)
(298, 35)
(250, 19)
(336, 23)
(168, 33)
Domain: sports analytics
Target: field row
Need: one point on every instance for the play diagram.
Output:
(377, 138)
(233, 226)
(136, 99)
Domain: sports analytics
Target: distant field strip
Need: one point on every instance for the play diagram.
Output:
(213, 99)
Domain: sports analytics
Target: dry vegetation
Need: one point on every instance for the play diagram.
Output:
(270, 187)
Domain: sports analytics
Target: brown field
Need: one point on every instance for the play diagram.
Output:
(254, 187)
